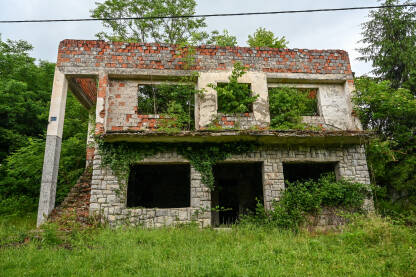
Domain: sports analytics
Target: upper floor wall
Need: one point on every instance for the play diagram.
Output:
(122, 67)
(91, 56)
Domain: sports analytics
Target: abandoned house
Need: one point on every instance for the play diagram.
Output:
(121, 84)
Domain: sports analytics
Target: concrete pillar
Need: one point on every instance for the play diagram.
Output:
(53, 146)
(90, 138)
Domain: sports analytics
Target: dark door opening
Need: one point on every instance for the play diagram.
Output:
(303, 171)
(159, 186)
(237, 185)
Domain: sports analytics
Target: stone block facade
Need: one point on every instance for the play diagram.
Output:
(108, 196)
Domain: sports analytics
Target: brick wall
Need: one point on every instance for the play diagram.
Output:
(102, 54)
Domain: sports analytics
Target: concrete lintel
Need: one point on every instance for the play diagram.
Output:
(263, 137)
(307, 78)
(129, 73)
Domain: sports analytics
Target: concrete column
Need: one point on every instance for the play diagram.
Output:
(90, 138)
(53, 147)
(102, 103)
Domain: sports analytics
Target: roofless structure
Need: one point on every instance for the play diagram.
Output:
(110, 79)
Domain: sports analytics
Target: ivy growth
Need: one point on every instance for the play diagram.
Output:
(204, 156)
(120, 156)
(234, 97)
(288, 105)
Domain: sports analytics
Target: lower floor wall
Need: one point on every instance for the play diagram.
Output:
(109, 195)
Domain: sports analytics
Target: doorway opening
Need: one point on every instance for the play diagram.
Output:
(238, 187)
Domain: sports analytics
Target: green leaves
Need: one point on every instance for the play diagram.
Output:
(302, 198)
(264, 38)
(234, 97)
(224, 39)
(390, 43)
(391, 114)
(288, 105)
(173, 31)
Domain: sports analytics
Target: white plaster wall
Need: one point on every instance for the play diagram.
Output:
(207, 105)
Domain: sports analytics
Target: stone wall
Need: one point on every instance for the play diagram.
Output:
(108, 195)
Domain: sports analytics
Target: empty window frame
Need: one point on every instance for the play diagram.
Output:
(304, 171)
(157, 99)
(302, 100)
(239, 101)
(172, 100)
(159, 186)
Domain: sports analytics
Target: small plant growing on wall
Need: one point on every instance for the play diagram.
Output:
(288, 105)
(234, 97)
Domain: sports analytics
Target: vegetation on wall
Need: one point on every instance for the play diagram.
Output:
(300, 199)
(234, 97)
(287, 106)
(121, 156)
(173, 102)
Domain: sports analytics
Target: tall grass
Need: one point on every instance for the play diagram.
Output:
(367, 247)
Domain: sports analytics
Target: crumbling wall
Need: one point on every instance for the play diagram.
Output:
(98, 54)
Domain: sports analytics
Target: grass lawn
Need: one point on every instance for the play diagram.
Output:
(370, 247)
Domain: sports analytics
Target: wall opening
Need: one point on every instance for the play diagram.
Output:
(174, 102)
(241, 91)
(159, 186)
(237, 185)
(303, 171)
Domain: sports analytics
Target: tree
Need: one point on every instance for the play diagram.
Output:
(390, 38)
(173, 31)
(224, 39)
(391, 114)
(25, 90)
(24, 95)
(264, 38)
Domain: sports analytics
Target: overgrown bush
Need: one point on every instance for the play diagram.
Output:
(302, 198)
(287, 106)
(174, 102)
(234, 97)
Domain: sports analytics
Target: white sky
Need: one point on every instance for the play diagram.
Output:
(326, 30)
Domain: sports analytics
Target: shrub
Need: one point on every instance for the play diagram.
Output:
(234, 97)
(302, 198)
(288, 105)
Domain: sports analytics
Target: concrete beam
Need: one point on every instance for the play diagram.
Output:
(53, 147)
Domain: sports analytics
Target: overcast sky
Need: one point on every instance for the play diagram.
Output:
(326, 30)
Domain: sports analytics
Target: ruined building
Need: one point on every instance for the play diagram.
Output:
(110, 79)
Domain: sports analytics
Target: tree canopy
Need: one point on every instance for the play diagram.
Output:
(173, 30)
(390, 44)
(265, 38)
(25, 89)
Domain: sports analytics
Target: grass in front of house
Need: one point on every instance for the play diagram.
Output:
(368, 247)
